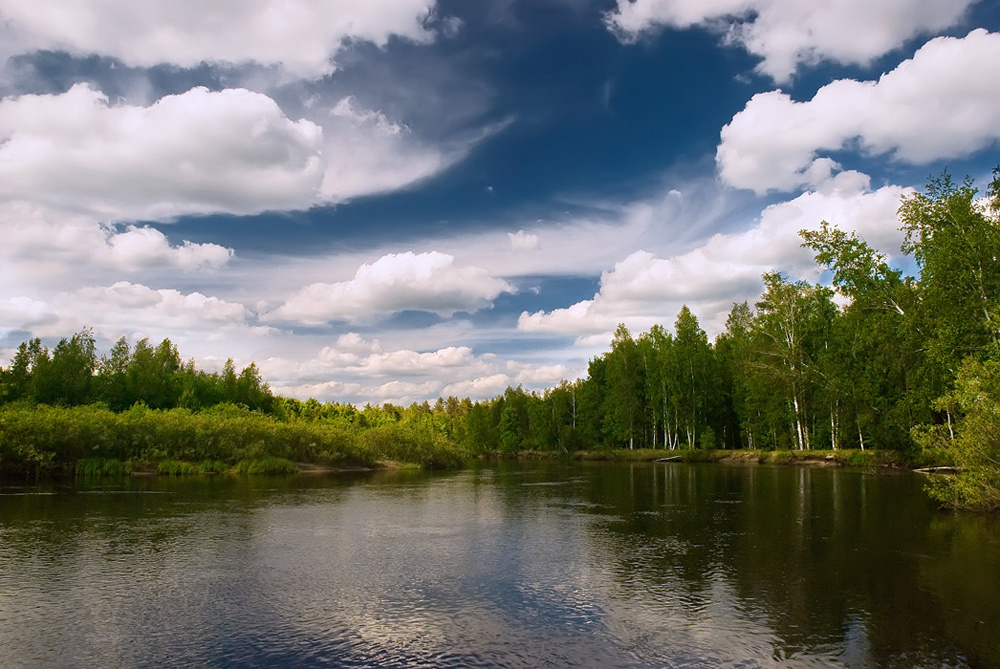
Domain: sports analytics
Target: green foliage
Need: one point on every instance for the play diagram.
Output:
(41, 439)
(624, 393)
(410, 443)
(72, 375)
(975, 448)
(956, 240)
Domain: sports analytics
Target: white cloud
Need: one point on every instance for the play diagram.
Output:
(393, 283)
(522, 241)
(202, 152)
(199, 152)
(535, 376)
(399, 363)
(788, 33)
(366, 152)
(346, 108)
(354, 354)
(38, 242)
(145, 247)
(324, 391)
(483, 387)
(301, 36)
(644, 289)
(124, 307)
(354, 344)
(147, 305)
(936, 105)
(356, 370)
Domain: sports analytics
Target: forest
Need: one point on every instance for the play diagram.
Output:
(875, 360)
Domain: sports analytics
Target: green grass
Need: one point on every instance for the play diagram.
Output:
(102, 468)
(266, 465)
(176, 468)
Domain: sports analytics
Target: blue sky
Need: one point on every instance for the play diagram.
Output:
(395, 200)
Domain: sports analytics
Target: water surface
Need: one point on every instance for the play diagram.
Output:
(598, 565)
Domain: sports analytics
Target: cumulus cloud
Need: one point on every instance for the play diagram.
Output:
(788, 33)
(936, 105)
(395, 282)
(360, 371)
(199, 152)
(202, 152)
(355, 354)
(145, 247)
(146, 305)
(38, 242)
(300, 36)
(483, 387)
(644, 289)
(124, 307)
(522, 241)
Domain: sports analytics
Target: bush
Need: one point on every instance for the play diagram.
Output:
(409, 443)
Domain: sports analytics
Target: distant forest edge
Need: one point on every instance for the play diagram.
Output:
(910, 364)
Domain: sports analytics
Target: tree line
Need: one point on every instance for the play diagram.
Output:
(72, 374)
(856, 364)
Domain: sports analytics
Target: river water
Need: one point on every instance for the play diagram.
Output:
(602, 565)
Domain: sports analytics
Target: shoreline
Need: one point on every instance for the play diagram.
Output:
(853, 458)
(811, 458)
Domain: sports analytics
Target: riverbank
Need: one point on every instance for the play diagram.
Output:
(92, 441)
(812, 458)
(42, 441)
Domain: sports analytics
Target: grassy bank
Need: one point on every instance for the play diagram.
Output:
(95, 441)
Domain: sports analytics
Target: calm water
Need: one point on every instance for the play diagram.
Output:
(601, 565)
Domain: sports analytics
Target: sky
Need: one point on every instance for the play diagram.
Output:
(397, 200)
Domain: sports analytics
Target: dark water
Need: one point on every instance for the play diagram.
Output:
(603, 565)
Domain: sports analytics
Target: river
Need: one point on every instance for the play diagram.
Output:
(594, 565)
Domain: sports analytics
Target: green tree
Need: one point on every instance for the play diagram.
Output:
(734, 349)
(113, 382)
(514, 424)
(875, 373)
(18, 380)
(252, 391)
(792, 320)
(655, 351)
(690, 367)
(480, 430)
(591, 401)
(624, 401)
(955, 238)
